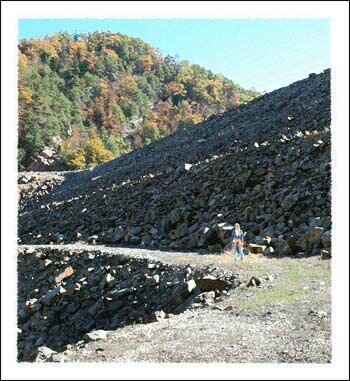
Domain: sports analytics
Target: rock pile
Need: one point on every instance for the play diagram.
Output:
(48, 160)
(65, 294)
(34, 185)
(265, 164)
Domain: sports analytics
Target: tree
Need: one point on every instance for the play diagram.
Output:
(118, 84)
(96, 153)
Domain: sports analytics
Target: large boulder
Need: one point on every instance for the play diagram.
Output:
(327, 239)
(311, 239)
(210, 283)
(256, 249)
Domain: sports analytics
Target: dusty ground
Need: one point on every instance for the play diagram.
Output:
(286, 319)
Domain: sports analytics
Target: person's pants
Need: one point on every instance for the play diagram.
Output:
(238, 249)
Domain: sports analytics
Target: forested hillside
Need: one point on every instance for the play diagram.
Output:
(95, 96)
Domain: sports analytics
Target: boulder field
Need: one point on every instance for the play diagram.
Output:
(266, 164)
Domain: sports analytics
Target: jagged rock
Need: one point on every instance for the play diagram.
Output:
(51, 295)
(64, 274)
(326, 239)
(191, 285)
(48, 159)
(206, 297)
(210, 283)
(326, 254)
(256, 249)
(311, 239)
(254, 282)
(44, 354)
(95, 335)
(281, 247)
(116, 291)
(269, 251)
(32, 305)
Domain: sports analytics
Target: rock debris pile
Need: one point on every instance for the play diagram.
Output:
(266, 164)
(33, 185)
(66, 295)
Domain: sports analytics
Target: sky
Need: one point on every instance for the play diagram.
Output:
(261, 54)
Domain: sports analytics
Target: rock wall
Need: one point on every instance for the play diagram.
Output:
(266, 164)
(64, 294)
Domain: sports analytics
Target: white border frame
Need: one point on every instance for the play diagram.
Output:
(337, 11)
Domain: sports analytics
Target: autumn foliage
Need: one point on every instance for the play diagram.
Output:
(102, 94)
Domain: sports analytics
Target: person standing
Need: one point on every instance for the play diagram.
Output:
(237, 242)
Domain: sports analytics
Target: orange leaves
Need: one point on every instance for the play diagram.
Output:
(117, 83)
(111, 54)
(144, 63)
(22, 61)
(174, 88)
(77, 48)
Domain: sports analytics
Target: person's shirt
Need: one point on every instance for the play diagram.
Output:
(238, 234)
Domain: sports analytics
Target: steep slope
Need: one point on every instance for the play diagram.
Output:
(265, 164)
(98, 95)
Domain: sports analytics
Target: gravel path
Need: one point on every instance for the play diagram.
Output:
(276, 334)
(169, 257)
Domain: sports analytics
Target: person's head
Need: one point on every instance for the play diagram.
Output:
(237, 227)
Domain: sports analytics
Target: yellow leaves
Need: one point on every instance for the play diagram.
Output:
(25, 95)
(102, 88)
(145, 63)
(96, 153)
(175, 88)
(76, 159)
(194, 119)
(115, 39)
(78, 48)
(128, 86)
(214, 88)
(49, 50)
(92, 152)
(111, 54)
(22, 61)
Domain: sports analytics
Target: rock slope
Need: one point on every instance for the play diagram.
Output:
(266, 164)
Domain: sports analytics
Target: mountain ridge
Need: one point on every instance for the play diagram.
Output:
(95, 96)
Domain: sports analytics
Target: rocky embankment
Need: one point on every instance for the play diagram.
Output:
(265, 164)
(95, 303)
(65, 293)
(34, 185)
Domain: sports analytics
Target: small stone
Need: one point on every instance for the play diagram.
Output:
(210, 283)
(64, 274)
(44, 354)
(156, 278)
(191, 285)
(51, 295)
(58, 357)
(269, 250)
(47, 262)
(254, 282)
(95, 335)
